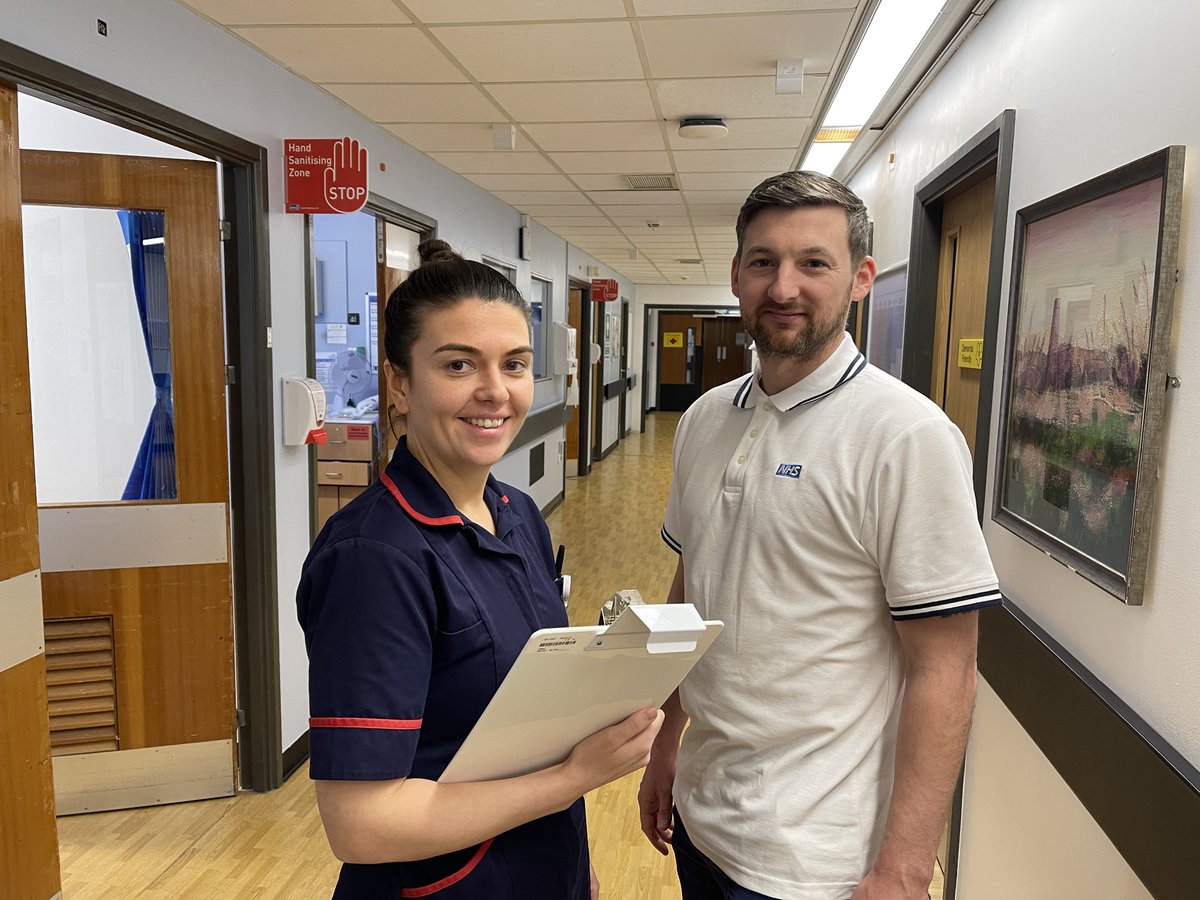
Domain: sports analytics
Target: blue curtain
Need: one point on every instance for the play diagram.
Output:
(153, 474)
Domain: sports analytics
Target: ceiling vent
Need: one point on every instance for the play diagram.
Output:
(651, 182)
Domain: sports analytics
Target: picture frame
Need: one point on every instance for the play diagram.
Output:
(1085, 375)
(885, 336)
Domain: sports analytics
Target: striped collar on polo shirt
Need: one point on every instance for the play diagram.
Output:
(845, 363)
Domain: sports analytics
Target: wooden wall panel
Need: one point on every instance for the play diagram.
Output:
(173, 636)
(18, 501)
(29, 864)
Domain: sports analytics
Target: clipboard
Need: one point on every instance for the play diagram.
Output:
(569, 683)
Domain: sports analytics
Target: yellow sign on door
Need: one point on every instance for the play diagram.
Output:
(970, 353)
(672, 338)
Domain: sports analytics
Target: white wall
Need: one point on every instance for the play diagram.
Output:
(1093, 88)
(169, 55)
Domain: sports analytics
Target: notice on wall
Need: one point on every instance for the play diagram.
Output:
(324, 175)
(335, 333)
(672, 338)
(324, 363)
(372, 330)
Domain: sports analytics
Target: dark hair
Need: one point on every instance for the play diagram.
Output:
(442, 280)
(791, 190)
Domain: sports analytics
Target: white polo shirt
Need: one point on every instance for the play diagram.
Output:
(807, 522)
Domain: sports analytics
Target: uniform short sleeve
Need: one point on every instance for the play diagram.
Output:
(369, 617)
(921, 525)
(672, 528)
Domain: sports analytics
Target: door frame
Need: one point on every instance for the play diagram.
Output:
(647, 336)
(991, 146)
(250, 393)
(584, 375)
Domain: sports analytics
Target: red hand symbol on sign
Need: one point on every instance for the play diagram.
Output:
(346, 179)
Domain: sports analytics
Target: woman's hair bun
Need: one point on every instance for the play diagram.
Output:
(435, 250)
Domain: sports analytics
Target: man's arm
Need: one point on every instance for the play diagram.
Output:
(935, 717)
(655, 802)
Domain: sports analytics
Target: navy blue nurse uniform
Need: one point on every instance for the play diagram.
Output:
(412, 616)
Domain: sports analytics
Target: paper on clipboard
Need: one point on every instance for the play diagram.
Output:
(569, 683)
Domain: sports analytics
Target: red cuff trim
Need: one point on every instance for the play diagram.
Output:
(427, 520)
(383, 724)
(450, 879)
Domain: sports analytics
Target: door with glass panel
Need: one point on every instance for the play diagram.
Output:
(124, 312)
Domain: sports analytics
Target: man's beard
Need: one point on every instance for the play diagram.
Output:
(809, 341)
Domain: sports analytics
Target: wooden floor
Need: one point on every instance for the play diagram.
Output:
(272, 846)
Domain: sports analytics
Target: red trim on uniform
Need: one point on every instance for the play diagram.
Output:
(449, 879)
(381, 724)
(427, 520)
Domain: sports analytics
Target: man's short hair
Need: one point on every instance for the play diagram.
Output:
(791, 190)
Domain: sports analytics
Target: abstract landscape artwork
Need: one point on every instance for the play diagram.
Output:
(1092, 288)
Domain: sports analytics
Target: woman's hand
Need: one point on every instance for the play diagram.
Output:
(614, 751)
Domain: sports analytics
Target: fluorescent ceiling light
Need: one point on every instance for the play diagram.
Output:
(895, 31)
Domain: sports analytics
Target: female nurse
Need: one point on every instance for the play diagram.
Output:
(415, 601)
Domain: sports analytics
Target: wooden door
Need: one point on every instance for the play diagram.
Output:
(962, 301)
(29, 865)
(597, 311)
(724, 351)
(681, 343)
(139, 591)
(575, 320)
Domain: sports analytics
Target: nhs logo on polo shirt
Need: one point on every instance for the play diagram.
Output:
(789, 470)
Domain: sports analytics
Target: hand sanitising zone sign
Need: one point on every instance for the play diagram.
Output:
(324, 175)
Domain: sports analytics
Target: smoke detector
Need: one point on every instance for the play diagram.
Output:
(702, 127)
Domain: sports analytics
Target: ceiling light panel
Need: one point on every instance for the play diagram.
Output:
(560, 51)
(384, 54)
(752, 97)
(299, 12)
(439, 11)
(701, 48)
(595, 101)
(418, 102)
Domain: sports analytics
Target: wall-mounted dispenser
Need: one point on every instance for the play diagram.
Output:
(303, 411)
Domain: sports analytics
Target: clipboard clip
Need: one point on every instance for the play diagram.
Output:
(658, 628)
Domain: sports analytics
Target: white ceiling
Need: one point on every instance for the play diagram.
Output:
(595, 89)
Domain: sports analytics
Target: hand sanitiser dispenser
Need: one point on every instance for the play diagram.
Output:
(303, 411)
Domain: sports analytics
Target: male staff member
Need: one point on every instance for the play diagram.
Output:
(825, 512)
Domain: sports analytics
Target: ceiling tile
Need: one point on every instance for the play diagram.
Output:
(737, 197)
(596, 101)
(623, 195)
(543, 198)
(374, 53)
(433, 137)
(644, 162)
(560, 51)
(299, 12)
(554, 221)
(752, 97)
(520, 182)
(418, 102)
(439, 11)
(625, 136)
(664, 220)
(733, 160)
(701, 47)
(716, 209)
(627, 209)
(537, 211)
(703, 7)
(748, 134)
(497, 161)
(712, 181)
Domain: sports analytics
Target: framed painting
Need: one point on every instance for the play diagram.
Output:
(885, 340)
(1093, 284)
